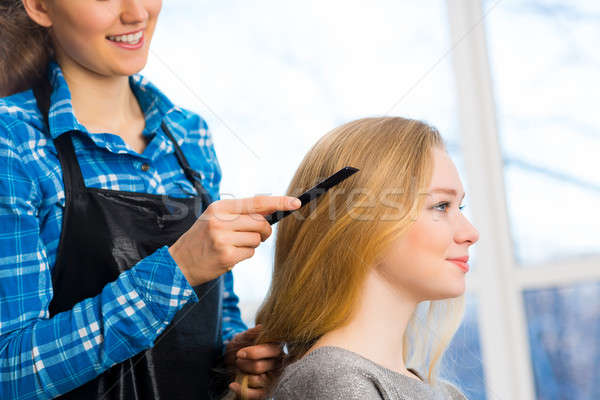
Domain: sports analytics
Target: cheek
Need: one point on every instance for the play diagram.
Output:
(80, 30)
(417, 261)
(153, 7)
(430, 236)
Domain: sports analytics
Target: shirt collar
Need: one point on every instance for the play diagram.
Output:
(154, 104)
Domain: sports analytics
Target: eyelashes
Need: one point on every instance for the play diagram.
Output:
(446, 204)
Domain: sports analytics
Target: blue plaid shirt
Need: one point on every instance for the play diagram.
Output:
(42, 357)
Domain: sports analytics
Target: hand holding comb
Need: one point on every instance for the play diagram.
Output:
(314, 192)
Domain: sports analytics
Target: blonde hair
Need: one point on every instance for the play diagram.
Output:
(324, 250)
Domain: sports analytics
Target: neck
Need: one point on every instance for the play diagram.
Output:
(100, 103)
(381, 317)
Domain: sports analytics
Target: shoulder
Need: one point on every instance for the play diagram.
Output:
(190, 128)
(153, 98)
(21, 123)
(25, 144)
(452, 391)
(196, 125)
(327, 372)
(18, 109)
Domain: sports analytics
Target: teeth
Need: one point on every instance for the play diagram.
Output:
(129, 39)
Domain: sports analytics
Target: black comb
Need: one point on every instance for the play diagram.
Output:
(314, 192)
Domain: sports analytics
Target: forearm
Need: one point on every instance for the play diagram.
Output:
(52, 356)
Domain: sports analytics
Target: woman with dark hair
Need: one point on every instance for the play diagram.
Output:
(116, 251)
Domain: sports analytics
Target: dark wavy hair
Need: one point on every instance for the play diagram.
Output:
(25, 49)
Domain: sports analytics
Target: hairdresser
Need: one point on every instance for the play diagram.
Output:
(115, 250)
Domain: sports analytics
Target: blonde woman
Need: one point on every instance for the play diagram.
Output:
(355, 271)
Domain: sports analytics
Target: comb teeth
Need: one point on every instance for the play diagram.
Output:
(314, 192)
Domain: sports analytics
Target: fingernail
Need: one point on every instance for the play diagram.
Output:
(241, 354)
(295, 202)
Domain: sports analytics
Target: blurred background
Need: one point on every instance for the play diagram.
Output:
(513, 87)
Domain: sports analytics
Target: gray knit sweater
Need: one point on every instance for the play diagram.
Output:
(335, 373)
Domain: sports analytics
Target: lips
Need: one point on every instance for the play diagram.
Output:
(127, 33)
(461, 262)
(461, 259)
(129, 42)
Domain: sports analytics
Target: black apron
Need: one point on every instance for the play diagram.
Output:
(105, 232)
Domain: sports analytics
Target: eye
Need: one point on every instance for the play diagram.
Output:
(446, 204)
(441, 205)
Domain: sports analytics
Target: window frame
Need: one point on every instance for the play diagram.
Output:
(499, 282)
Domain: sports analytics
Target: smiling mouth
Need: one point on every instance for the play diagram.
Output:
(132, 39)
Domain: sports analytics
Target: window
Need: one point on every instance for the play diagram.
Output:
(510, 84)
(544, 67)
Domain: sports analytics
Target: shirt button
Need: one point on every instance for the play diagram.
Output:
(145, 167)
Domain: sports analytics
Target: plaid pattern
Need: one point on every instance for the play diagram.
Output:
(42, 357)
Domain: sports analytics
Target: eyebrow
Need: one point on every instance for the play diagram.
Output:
(447, 191)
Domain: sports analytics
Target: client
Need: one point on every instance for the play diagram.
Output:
(369, 279)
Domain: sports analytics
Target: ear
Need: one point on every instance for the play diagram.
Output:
(38, 12)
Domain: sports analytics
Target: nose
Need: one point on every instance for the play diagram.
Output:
(133, 11)
(466, 232)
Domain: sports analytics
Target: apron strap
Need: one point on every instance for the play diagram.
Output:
(190, 173)
(73, 179)
(42, 90)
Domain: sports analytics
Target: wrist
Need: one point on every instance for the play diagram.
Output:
(175, 253)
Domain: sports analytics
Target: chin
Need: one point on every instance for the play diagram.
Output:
(459, 291)
(130, 68)
(127, 64)
(455, 295)
(450, 292)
